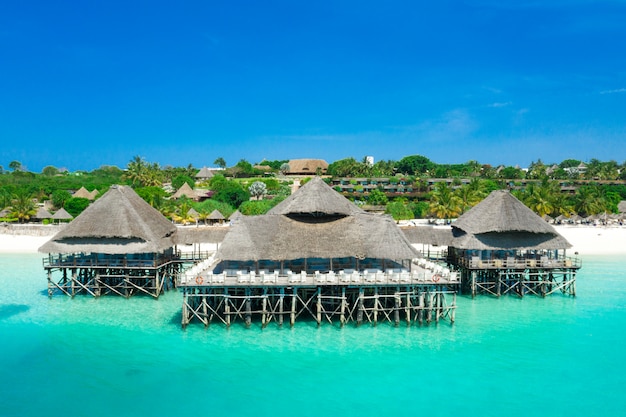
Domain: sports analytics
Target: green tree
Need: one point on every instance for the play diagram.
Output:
(155, 196)
(22, 206)
(220, 162)
(444, 204)
(232, 193)
(60, 197)
(258, 189)
(588, 201)
(143, 174)
(15, 166)
(179, 180)
(414, 165)
(399, 210)
(50, 171)
(377, 198)
(76, 205)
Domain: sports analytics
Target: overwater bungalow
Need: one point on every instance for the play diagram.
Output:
(316, 255)
(118, 245)
(500, 246)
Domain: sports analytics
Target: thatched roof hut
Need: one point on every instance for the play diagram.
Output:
(502, 222)
(186, 191)
(62, 214)
(307, 166)
(42, 213)
(83, 193)
(315, 222)
(204, 174)
(428, 235)
(120, 222)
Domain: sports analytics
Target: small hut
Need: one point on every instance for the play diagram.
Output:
(307, 167)
(42, 214)
(502, 246)
(118, 245)
(185, 191)
(83, 193)
(62, 215)
(204, 174)
(216, 217)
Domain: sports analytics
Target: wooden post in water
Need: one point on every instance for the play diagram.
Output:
(319, 306)
(281, 305)
(226, 307)
(359, 313)
(248, 308)
(264, 315)
(396, 309)
(342, 317)
(294, 300)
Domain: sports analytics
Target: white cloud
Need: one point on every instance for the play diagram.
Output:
(616, 91)
(500, 104)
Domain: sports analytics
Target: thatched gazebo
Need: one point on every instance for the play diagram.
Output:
(185, 191)
(62, 214)
(42, 214)
(216, 217)
(315, 228)
(501, 237)
(119, 244)
(84, 193)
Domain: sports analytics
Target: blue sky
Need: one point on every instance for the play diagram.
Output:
(84, 84)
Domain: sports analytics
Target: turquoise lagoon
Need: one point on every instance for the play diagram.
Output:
(558, 356)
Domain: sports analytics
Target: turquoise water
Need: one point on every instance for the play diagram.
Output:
(558, 356)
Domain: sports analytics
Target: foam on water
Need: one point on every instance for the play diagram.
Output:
(509, 356)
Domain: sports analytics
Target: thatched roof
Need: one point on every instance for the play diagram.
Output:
(62, 214)
(83, 193)
(193, 213)
(428, 235)
(307, 166)
(216, 215)
(204, 173)
(42, 213)
(120, 222)
(237, 214)
(316, 198)
(621, 206)
(185, 190)
(315, 222)
(189, 235)
(501, 221)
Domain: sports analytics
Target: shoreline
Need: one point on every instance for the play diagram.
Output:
(585, 240)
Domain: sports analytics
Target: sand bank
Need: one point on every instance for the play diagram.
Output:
(586, 240)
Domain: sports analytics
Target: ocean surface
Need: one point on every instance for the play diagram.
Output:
(558, 356)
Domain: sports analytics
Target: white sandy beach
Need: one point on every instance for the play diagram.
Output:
(586, 240)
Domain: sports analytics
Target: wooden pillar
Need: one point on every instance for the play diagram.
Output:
(264, 314)
(205, 309)
(396, 309)
(294, 301)
(342, 317)
(473, 284)
(453, 308)
(319, 306)
(226, 307)
(359, 313)
(248, 308)
(420, 307)
(281, 305)
(73, 283)
(407, 308)
(376, 305)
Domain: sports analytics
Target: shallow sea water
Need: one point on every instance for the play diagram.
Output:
(558, 356)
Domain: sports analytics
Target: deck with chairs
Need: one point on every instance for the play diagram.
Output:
(423, 293)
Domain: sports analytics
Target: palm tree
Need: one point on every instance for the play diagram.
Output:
(468, 197)
(444, 203)
(588, 201)
(23, 206)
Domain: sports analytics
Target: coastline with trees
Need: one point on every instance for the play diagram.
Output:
(412, 187)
